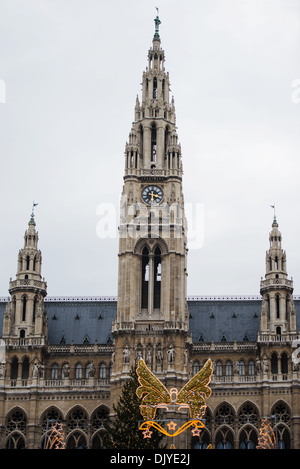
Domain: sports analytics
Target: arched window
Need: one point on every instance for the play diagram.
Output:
(282, 426)
(153, 143)
(27, 262)
(219, 368)
(268, 306)
(141, 139)
(34, 309)
(14, 367)
(154, 88)
(54, 371)
(77, 425)
(25, 368)
(102, 373)
(145, 277)
(277, 299)
(16, 430)
(78, 371)
(196, 367)
(51, 418)
(251, 368)
(224, 439)
(248, 438)
(24, 304)
(248, 414)
(98, 421)
(274, 363)
(242, 368)
(157, 277)
(284, 363)
(228, 368)
(167, 133)
(225, 416)
(202, 441)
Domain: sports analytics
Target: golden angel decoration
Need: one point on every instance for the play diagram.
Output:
(156, 395)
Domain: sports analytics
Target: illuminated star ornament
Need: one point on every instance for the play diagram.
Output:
(155, 395)
(172, 426)
(147, 433)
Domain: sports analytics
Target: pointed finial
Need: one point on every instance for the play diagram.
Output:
(273, 206)
(34, 204)
(157, 23)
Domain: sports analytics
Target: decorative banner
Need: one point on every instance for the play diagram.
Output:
(171, 426)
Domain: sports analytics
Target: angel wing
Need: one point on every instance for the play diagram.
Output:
(156, 394)
(191, 395)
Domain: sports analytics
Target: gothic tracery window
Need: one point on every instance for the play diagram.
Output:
(98, 421)
(224, 438)
(248, 438)
(51, 417)
(224, 415)
(16, 426)
(282, 419)
(76, 428)
(248, 415)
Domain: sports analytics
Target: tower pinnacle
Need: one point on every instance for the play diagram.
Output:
(157, 23)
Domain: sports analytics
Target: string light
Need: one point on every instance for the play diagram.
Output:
(150, 423)
(56, 438)
(267, 438)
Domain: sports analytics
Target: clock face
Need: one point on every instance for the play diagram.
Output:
(152, 195)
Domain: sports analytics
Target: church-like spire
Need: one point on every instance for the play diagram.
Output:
(25, 315)
(153, 141)
(278, 310)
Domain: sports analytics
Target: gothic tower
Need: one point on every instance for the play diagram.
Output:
(278, 315)
(25, 321)
(152, 316)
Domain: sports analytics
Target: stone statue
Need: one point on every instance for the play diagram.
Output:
(126, 355)
(171, 354)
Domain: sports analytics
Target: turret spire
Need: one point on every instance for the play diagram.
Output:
(278, 311)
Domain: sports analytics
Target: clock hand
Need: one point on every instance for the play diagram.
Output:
(152, 195)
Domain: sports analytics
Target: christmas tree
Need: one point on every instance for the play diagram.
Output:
(123, 431)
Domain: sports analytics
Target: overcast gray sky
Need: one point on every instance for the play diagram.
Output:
(72, 70)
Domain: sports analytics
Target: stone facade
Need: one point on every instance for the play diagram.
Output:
(66, 360)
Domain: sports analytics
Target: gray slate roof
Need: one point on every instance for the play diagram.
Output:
(211, 319)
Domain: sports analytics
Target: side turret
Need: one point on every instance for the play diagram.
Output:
(25, 316)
